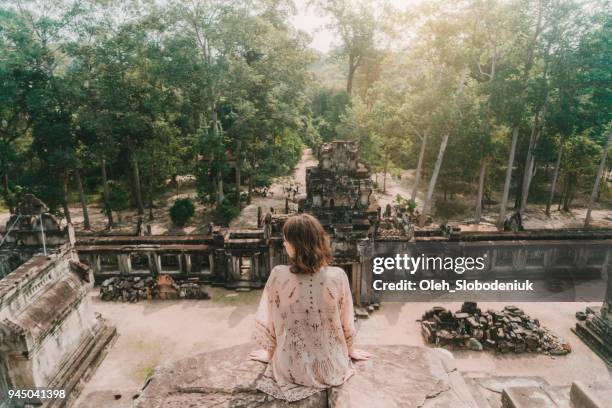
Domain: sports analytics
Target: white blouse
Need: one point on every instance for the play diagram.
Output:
(306, 321)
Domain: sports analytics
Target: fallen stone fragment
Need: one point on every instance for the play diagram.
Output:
(506, 331)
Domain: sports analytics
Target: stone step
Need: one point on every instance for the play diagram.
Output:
(593, 395)
(597, 344)
(526, 397)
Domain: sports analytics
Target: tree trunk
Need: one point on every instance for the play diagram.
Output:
(107, 209)
(250, 191)
(481, 179)
(350, 76)
(65, 198)
(569, 197)
(5, 183)
(79, 183)
(238, 175)
(602, 166)
(527, 68)
(151, 192)
(219, 175)
(385, 173)
(220, 194)
(432, 181)
(562, 196)
(504, 202)
(5, 187)
(530, 161)
(137, 188)
(566, 194)
(417, 177)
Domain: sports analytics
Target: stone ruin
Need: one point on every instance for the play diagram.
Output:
(136, 288)
(339, 192)
(49, 336)
(509, 330)
(594, 327)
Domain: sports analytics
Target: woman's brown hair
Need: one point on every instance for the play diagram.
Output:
(312, 245)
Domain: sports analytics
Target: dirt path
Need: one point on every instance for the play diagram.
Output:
(248, 215)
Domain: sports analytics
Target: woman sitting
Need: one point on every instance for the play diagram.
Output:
(305, 320)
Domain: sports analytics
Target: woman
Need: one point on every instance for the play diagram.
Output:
(305, 321)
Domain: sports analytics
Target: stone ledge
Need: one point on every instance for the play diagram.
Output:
(397, 376)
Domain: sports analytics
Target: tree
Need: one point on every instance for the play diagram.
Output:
(181, 211)
(357, 27)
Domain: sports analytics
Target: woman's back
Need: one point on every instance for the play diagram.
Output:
(306, 320)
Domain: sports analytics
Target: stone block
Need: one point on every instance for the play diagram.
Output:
(593, 395)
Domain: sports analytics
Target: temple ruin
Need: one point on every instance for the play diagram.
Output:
(50, 337)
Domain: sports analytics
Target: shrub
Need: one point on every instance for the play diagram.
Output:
(181, 211)
(118, 198)
(226, 211)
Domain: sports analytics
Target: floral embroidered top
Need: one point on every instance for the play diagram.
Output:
(306, 321)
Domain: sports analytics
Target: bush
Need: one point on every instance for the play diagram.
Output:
(118, 198)
(181, 211)
(226, 211)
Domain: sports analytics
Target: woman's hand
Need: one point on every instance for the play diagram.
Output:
(359, 355)
(260, 355)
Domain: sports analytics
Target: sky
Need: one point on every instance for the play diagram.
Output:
(310, 20)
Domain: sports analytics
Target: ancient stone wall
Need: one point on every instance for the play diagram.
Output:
(45, 320)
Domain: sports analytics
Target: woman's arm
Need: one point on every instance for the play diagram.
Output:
(347, 317)
(347, 313)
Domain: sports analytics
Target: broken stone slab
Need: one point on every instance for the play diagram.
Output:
(396, 376)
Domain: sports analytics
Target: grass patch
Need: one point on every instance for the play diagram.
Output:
(146, 371)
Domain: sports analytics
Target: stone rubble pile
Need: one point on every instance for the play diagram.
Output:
(509, 330)
(192, 290)
(133, 289)
(128, 289)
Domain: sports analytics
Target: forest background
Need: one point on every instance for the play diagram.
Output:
(504, 104)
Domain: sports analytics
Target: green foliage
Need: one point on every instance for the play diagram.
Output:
(226, 211)
(328, 107)
(406, 204)
(118, 198)
(181, 211)
(206, 86)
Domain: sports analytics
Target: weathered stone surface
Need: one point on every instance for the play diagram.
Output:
(224, 378)
(397, 376)
(403, 376)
